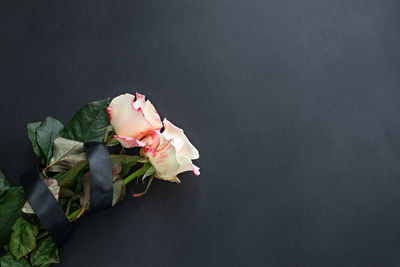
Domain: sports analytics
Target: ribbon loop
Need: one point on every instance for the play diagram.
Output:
(46, 206)
(101, 182)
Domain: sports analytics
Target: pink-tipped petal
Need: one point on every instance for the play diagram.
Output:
(196, 170)
(129, 142)
(162, 155)
(185, 164)
(140, 101)
(130, 121)
(180, 141)
(148, 110)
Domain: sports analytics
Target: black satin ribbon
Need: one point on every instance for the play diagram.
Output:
(101, 182)
(46, 206)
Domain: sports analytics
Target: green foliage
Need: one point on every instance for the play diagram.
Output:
(45, 253)
(23, 237)
(23, 240)
(46, 133)
(150, 171)
(31, 127)
(11, 261)
(90, 123)
(69, 178)
(10, 211)
(4, 185)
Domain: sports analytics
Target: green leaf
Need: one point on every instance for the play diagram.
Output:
(66, 153)
(45, 253)
(112, 142)
(90, 123)
(79, 185)
(108, 133)
(32, 127)
(66, 193)
(150, 171)
(46, 133)
(143, 160)
(23, 239)
(11, 261)
(10, 210)
(4, 184)
(69, 178)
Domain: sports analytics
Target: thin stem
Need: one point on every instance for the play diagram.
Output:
(72, 216)
(68, 206)
(137, 173)
(147, 188)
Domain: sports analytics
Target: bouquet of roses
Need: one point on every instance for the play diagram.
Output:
(68, 167)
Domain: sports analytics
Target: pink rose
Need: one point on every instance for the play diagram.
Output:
(133, 120)
(170, 153)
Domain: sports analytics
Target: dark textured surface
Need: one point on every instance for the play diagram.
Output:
(294, 106)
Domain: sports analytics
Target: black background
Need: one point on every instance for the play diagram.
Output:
(293, 105)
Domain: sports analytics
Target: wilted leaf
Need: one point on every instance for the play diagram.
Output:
(46, 133)
(23, 239)
(89, 124)
(127, 162)
(85, 198)
(27, 208)
(11, 261)
(45, 253)
(116, 165)
(10, 210)
(119, 190)
(66, 153)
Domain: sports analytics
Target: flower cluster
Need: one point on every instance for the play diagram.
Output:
(137, 124)
(131, 121)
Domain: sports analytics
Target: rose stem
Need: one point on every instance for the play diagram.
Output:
(147, 188)
(137, 173)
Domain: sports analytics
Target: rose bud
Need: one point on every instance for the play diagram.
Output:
(133, 120)
(170, 153)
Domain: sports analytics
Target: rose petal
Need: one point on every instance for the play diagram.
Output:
(163, 157)
(129, 142)
(149, 111)
(129, 121)
(180, 141)
(185, 164)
